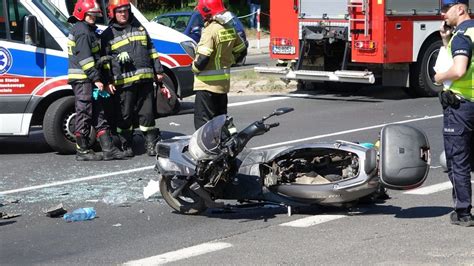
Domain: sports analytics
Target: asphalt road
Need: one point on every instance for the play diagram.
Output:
(406, 229)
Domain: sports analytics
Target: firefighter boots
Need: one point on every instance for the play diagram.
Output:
(109, 151)
(151, 138)
(83, 152)
(126, 137)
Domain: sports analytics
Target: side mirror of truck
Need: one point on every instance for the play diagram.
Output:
(30, 29)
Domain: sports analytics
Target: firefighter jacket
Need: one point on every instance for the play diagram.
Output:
(84, 52)
(133, 40)
(220, 45)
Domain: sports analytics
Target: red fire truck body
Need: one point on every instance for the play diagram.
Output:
(392, 42)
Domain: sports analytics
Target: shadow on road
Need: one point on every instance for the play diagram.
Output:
(410, 213)
(2, 223)
(357, 93)
(34, 143)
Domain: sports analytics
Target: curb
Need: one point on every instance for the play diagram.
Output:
(253, 44)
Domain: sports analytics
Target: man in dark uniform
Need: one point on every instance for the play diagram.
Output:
(134, 67)
(458, 105)
(83, 75)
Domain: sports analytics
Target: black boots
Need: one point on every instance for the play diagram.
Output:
(151, 138)
(83, 152)
(109, 151)
(126, 137)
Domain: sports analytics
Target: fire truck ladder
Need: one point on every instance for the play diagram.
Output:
(364, 6)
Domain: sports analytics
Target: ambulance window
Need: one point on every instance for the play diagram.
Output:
(16, 14)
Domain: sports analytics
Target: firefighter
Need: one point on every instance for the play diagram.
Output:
(220, 47)
(457, 33)
(84, 75)
(134, 67)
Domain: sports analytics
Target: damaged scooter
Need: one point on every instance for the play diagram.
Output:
(214, 164)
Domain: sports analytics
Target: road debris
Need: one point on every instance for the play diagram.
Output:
(116, 200)
(5, 215)
(117, 225)
(152, 187)
(55, 211)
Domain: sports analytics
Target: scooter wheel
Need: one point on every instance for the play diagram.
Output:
(187, 202)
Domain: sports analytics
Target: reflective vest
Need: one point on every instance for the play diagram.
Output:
(220, 43)
(84, 51)
(465, 85)
(133, 39)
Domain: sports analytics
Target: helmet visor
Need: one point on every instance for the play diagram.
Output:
(95, 14)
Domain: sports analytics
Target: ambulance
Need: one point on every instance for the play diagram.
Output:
(33, 69)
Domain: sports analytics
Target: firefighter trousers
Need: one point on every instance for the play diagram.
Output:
(89, 113)
(136, 101)
(208, 105)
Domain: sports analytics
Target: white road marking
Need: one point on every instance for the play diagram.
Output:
(312, 220)
(181, 254)
(59, 183)
(431, 189)
(278, 98)
(346, 132)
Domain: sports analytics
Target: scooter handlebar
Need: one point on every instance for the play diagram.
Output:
(268, 126)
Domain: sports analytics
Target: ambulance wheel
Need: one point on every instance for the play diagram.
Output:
(186, 202)
(58, 126)
(422, 73)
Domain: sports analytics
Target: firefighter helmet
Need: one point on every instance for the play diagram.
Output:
(210, 8)
(85, 6)
(115, 5)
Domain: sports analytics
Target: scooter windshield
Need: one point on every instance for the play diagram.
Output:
(204, 143)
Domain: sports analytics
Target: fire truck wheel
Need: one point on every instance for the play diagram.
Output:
(422, 73)
(58, 126)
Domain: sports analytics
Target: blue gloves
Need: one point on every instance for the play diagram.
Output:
(96, 93)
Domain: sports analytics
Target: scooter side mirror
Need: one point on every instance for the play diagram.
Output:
(279, 111)
(283, 110)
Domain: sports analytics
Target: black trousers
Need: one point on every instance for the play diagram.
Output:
(457, 131)
(208, 105)
(89, 112)
(133, 101)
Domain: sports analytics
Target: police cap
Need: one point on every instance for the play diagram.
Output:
(446, 4)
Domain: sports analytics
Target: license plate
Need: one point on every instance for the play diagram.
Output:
(283, 49)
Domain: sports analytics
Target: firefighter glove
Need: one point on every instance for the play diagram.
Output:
(124, 58)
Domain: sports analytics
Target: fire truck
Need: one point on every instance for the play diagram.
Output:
(388, 42)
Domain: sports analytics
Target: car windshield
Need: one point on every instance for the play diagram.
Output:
(54, 14)
(176, 22)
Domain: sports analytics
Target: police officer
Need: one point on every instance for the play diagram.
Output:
(217, 50)
(457, 33)
(83, 75)
(134, 67)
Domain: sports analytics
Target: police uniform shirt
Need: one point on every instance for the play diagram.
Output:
(462, 44)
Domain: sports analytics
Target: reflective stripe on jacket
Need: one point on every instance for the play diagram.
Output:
(465, 85)
(221, 44)
(133, 39)
(84, 52)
